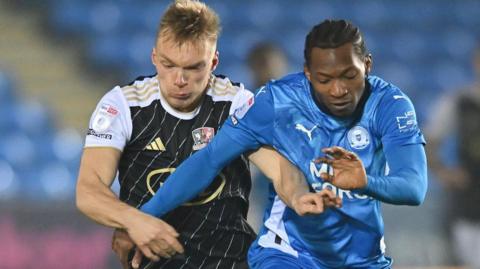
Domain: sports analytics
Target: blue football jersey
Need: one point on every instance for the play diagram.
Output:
(283, 114)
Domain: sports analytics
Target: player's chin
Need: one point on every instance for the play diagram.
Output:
(342, 112)
(182, 105)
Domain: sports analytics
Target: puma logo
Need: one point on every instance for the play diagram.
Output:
(302, 128)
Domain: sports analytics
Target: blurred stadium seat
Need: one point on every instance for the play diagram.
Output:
(123, 38)
(37, 161)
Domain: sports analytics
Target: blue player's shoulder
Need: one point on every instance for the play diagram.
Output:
(294, 80)
(294, 86)
(382, 89)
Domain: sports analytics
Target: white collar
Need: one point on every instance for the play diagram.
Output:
(172, 111)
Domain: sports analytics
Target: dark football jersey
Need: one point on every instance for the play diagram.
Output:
(155, 139)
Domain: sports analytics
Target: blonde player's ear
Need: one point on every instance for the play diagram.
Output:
(154, 56)
(215, 60)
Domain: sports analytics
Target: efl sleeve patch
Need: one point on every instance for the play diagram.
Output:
(242, 102)
(104, 117)
(110, 124)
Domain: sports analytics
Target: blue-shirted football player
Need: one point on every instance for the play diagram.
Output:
(341, 127)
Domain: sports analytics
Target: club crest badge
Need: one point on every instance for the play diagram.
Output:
(358, 137)
(202, 136)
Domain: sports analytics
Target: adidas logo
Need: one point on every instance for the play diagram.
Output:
(156, 145)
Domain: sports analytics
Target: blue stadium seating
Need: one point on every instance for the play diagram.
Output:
(37, 161)
(411, 33)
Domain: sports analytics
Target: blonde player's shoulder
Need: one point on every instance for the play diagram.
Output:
(223, 89)
(141, 92)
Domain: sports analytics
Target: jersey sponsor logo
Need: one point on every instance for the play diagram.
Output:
(358, 137)
(202, 136)
(156, 145)
(407, 122)
(341, 193)
(317, 169)
(104, 117)
(203, 198)
(99, 135)
(302, 128)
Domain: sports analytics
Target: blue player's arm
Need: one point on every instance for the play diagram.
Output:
(246, 132)
(406, 183)
(195, 174)
(404, 149)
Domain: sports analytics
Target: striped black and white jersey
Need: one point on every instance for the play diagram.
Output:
(154, 139)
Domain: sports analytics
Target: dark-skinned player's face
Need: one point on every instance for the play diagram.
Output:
(338, 78)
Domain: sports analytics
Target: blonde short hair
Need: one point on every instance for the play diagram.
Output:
(189, 20)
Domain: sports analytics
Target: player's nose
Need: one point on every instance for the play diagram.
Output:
(338, 88)
(180, 79)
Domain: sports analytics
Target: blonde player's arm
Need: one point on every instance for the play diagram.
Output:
(290, 183)
(109, 130)
(95, 199)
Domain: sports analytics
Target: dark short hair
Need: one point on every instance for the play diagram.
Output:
(332, 34)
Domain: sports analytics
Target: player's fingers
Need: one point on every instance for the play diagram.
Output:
(324, 160)
(319, 205)
(162, 249)
(338, 202)
(309, 209)
(175, 244)
(336, 152)
(149, 254)
(137, 258)
(351, 155)
(328, 202)
(327, 177)
(123, 260)
(327, 193)
(313, 203)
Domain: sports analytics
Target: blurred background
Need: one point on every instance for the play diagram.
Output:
(58, 57)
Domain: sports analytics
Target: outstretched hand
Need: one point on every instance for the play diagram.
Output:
(315, 203)
(348, 170)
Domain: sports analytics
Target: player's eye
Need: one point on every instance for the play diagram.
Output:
(193, 68)
(197, 67)
(167, 65)
(351, 75)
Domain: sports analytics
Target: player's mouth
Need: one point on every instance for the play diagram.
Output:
(341, 105)
(181, 96)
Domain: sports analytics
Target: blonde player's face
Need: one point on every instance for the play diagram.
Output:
(184, 71)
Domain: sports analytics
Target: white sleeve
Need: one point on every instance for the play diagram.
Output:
(111, 123)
